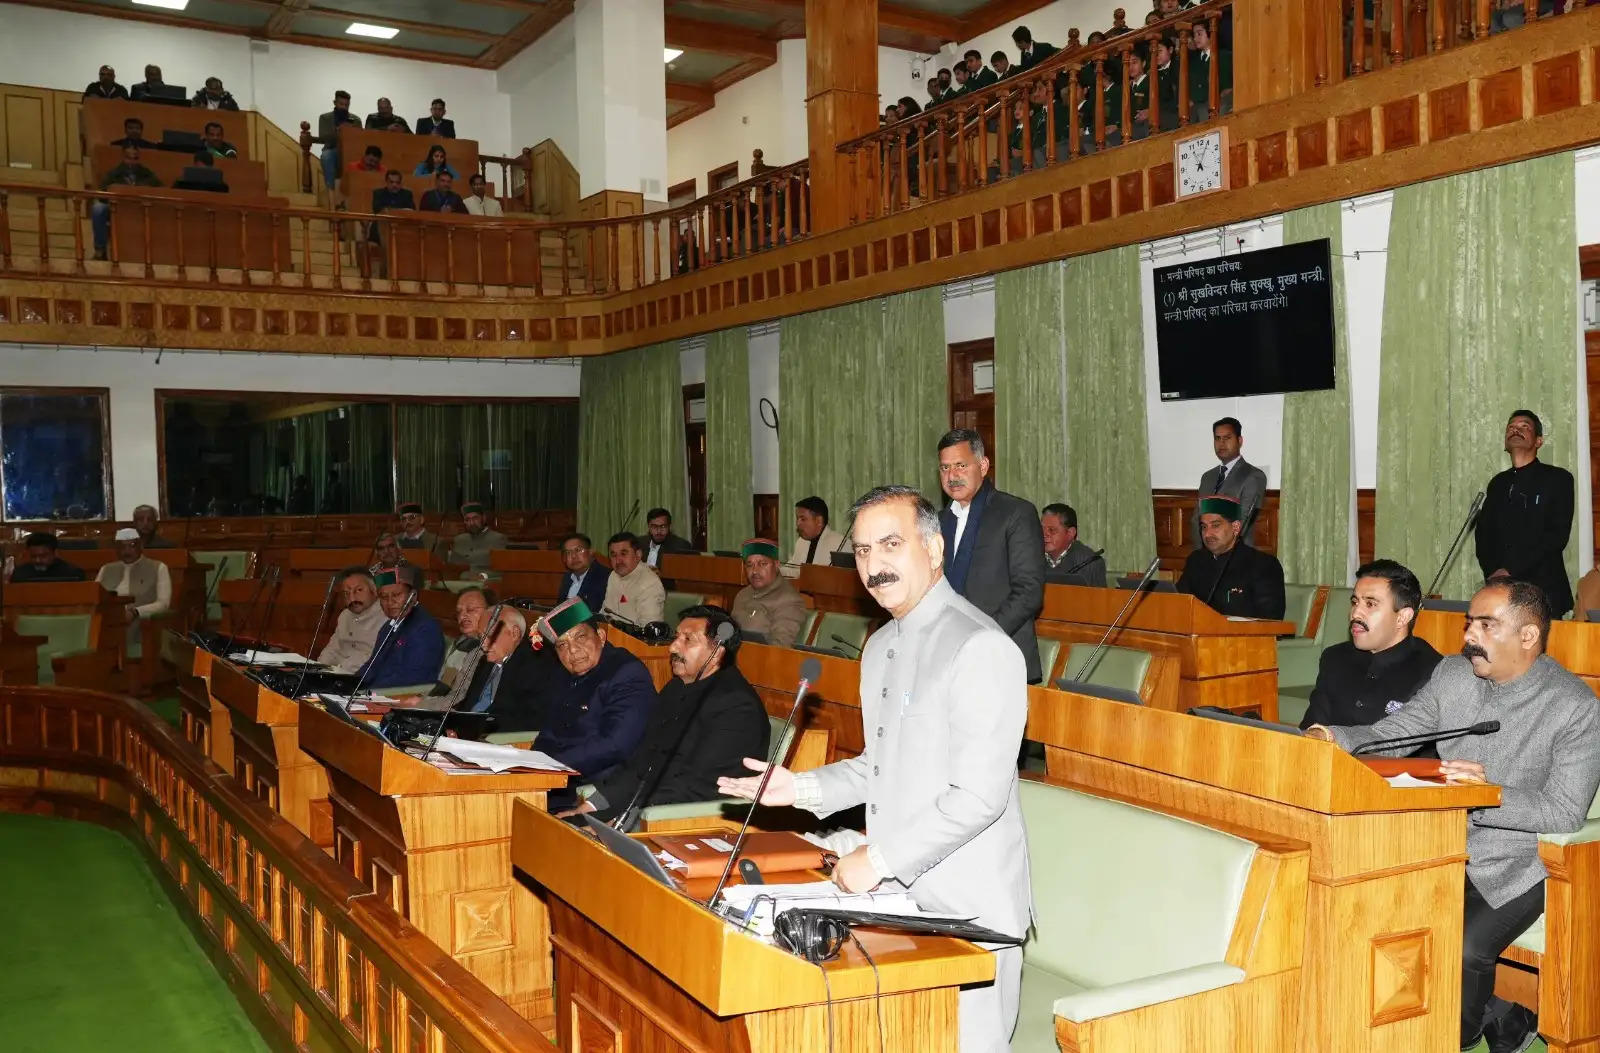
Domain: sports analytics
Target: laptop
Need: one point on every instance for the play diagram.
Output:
(635, 853)
(1114, 694)
(202, 177)
(843, 559)
(169, 94)
(1213, 713)
(182, 140)
(1451, 606)
(1155, 585)
(960, 930)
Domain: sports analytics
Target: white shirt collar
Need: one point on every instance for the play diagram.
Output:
(960, 510)
(1229, 464)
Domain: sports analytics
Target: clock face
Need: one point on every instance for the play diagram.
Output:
(1199, 164)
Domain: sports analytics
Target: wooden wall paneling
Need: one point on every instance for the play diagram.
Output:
(27, 129)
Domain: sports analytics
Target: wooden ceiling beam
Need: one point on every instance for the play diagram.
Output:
(695, 94)
(282, 20)
(729, 77)
(691, 35)
(527, 31)
(455, 32)
(938, 27)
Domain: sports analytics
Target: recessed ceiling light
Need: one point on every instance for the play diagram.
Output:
(170, 5)
(667, 54)
(361, 29)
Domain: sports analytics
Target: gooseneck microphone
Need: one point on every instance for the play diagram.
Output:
(322, 616)
(372, 663)
(1085, 561)
(268, 577)
(1088, 663)
(628, 520)
(1483, 727)
(841, 640)
(810, 671)
(653, 775)
(1455, 546)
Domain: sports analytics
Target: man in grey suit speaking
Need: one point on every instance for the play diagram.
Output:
(944, 699)
(1232, 477)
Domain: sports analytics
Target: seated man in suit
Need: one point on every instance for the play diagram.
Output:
(595, 715)
(662, 539)
(409, 648)
(1068, 561)
(436, 123)
(633, 591)
(707, 720)
(150, 85)
(147, 522)
(1376, 671)
(503, 677)
(214, 97)
(768, 605)
(1233, 476)
(386, 120)
(993, 547)
(1545, 758)
(413, 530)
(584, 579)
(1228, 575)
(356, 628)
(442, 198)
(43, 563)
(816, 541)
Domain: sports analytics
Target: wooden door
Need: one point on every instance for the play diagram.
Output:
(972, 392)
(694, 431)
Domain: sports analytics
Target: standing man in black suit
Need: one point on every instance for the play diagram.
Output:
(436, 123)
(1527, 516)
(993, 545)
(1030, 52)
(1232, 477)
(584, 579)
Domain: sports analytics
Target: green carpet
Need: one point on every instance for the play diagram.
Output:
(168, 709)
(95, 956)
(1483, 1047)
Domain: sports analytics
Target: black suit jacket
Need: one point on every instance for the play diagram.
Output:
(593, 589)
(449, 201)
(730, 724)
(1358, 687)
(1005, 578)
(1040, 52)
(446, 129)
(1244, 581)
(519, 697)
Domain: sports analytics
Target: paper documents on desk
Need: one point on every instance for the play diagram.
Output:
(1407, 781)
(493, 756)
(363, 704)
(267, 658)
(821, 895)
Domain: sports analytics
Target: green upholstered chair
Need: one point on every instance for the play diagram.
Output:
(807, 626)
(65, 635)
(1049, 650)
(1534, 938)
(779, 740)
(1118, 926)
(677, 603)
(1298, 658)
(1298, 601)
(1123, 667)
(853, 629)
(224, 565)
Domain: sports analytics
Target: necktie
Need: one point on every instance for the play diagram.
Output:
(1222, 473)
(486, 696)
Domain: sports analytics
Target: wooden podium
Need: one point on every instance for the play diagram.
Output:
(1381, 965)
(437, 848)
(1221, 662)
(267, 758)
(205, 722)
(640, 966)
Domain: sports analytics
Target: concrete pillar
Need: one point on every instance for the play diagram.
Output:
(622, 102)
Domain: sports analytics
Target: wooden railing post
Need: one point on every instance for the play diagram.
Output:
(1283, 49)
(841, 100)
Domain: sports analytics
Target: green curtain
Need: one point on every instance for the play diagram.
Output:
(863, 394)
(370, 482)
(732, 516)
(537, 444)
(630, 438)
(428, 455)
(1030, 396)
(310, 438)
(1314, 504)
(1478, 311)
(1108, 447)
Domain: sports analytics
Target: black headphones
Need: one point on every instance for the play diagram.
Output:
(810, 934)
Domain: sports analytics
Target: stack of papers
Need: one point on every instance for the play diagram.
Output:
(268, 658)
(755, 906)
(1407, 781)
(363, 704)
(452, 753)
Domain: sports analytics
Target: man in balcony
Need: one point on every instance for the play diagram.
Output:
(151, 84)
(1200, 63)
(1030, 52)
(386, 120)
(478, 202)
(212, 97)
(212, 142)
(979, 76)
(328, 132)
(442, 198)
(1000, 62)
(129, 173)
(133, 135)
(475, 543)
(43, 563)
(147, 523)
(106, 87)
(436, 123)
(1138, 92)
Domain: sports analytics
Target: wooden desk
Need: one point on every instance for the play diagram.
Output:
(267, 759)
(287, 611)
(1381, 961)
(1221, 662)
(197, 228)
(713, 575)
(656, 657)
(641, 966)
(437, 848)
(532, 572)
(108, 621)
(101, 121)
(829, 726)
(1576, 645)
(405, 151)
(245, 179)
(838, 589)
(204, 722)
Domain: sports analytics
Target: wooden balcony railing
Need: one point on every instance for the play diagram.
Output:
(1081, 100)
(318, 961)
(1393, 31)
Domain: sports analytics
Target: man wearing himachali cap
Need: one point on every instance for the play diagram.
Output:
(1228, 575)
(473, 545)
(410, 645)
(413, 531)
(768, 604)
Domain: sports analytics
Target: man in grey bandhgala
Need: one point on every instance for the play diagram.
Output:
(944, 699)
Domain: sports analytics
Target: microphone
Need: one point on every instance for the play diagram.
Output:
(321, 617)
(625, 819)
(372, 663)
(810, 670)
(631, 513)
(841, 640)
(1116, 623)
(211, 590)
(261, 583)
(1096, 554)
(272, 604)
(1483, 727)
(1450, 557)
(1228, 559)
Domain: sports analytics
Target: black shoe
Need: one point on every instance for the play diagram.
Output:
(1472, 1043)
(1514, 1032)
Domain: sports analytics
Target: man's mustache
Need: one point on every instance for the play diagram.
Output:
(1472, 650)
(1357, 621)
(674, 656)
(882, 578)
